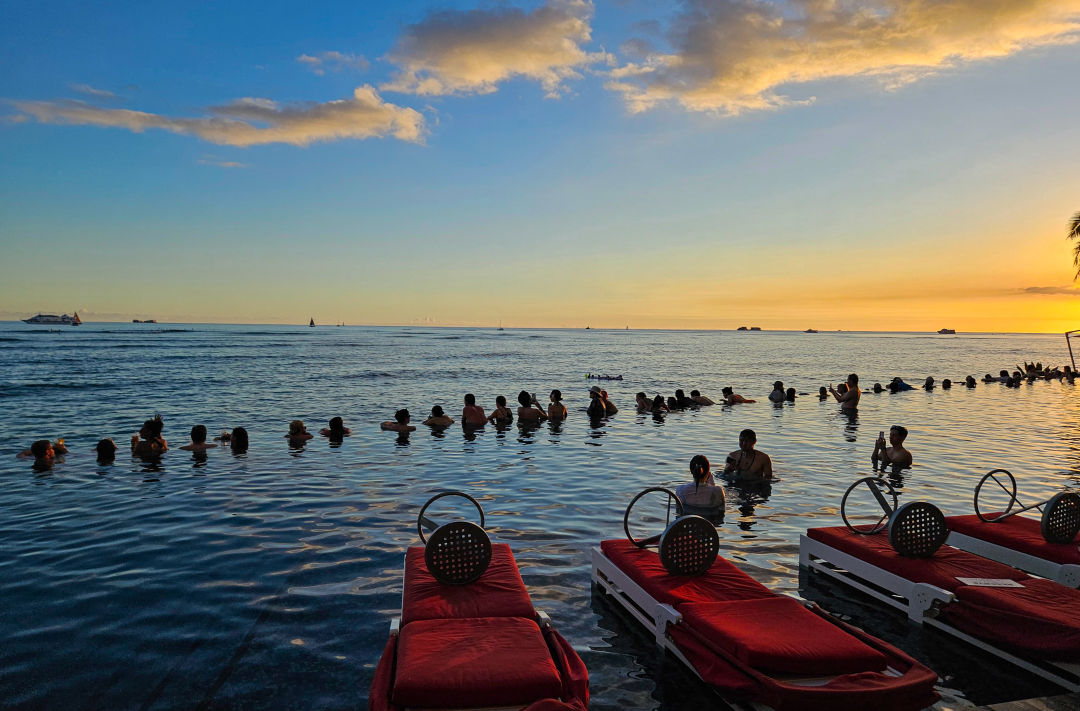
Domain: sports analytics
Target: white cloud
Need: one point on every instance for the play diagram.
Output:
(92, 91)
(471, 51)
(252, 121)
(333, 61)
(732, 56)
(221, 163)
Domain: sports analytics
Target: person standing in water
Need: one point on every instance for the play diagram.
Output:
(894, 454)
(556, 410)
(850, 400)
(702, 494)
(472, 415)
(747, 463)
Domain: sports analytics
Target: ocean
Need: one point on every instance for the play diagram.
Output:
(268, 580)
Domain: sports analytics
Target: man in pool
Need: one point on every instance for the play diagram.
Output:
(733, 398)
(400, 422)
(700, 399)
(849, 401)
(44, 452)
(198, 440)
(472, 415)
(747, 463)
(894, 456)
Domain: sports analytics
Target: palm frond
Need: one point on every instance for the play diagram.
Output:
(1074, 235)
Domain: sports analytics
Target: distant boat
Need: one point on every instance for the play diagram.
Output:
(312, 324)
(810, 330)
(53, 319)
(742, 328)
(586, 328)
(947, 332)
(755, 328)
(149, 320)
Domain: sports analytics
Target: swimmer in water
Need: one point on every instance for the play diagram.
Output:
(149, 442)
(298, 433)
(702, 494)
(789, 396)
(44, 452)
(928, 384)
(472, 415)
(892, 455)
(848, 400)
(198, 440)
(733, 398)
(502, 414)
(336, 429)
(106, 451)
(747, 463)
(556, 410)
(400, 423)
(777, 394)
(823, 393)
(700, 399)
(238, 440)
(644, 404)
(438, 418)
(530, 410)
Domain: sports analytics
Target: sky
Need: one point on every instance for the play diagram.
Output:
(828, 164)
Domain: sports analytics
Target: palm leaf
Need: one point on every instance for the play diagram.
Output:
(1074, 235)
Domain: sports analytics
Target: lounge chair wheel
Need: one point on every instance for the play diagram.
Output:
(997, 476)
(651, 540)
(880, 489)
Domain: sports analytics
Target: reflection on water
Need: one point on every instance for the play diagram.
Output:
(266, 579)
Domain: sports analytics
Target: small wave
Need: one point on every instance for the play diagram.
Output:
(4, 339)
(15, 388)
(370, 375)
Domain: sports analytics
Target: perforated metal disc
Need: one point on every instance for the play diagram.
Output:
(917, 529)
(458, 553)
(1061, 519)
(689, 546)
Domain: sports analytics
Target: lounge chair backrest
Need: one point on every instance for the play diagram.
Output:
(458, 553)
(917, 529)
(689, 546)
(1061, 519)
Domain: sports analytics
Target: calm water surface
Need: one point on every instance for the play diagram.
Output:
(268, 580)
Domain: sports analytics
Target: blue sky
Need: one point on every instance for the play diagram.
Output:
(661, 165)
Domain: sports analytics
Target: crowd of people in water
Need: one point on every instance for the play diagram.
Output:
(745, 463)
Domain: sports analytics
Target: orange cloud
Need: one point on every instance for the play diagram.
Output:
(251, 121)
(470, 52)
(733, 56)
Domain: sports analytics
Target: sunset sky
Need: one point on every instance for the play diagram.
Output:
(874, 165)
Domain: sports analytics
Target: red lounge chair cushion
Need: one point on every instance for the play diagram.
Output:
(942, 570)
(498, 593)
(779, 635)
(1018, 533)
(1042, 617)
(723, 581)
(466, 663)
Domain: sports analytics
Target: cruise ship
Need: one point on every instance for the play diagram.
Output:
(53, 319)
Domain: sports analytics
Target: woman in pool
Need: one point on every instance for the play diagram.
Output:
(501, 415)
(702, 494)
(556, 410)
(530, 410)
(337, 429)
(106, 451)
(238, 440)
(400, 423)
(149, 442)
(298, 433)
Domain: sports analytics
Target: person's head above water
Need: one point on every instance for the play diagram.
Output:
(900, 432)
(524, 399)
(853, 380)
(842, 388)
(556, 395)
(337, 426)
(296, 428)
(790, 394)
(437, 411)
(594, 391)
(929, 382)
(470, 399)
(106, 449)
(699, 467)
(402, 416)
(727, 390)
(878, 388)
(198, 434)
(42, 450)
(695, 393)
(946, 384)
(778, 385)
(238, 440)
(747, 439)
(500, 400)
(823, 391)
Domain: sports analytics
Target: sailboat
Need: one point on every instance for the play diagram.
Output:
(312, 324)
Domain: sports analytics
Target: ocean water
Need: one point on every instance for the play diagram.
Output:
(268, 580)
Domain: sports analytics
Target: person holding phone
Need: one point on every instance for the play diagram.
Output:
(893, 452)
(747, 463)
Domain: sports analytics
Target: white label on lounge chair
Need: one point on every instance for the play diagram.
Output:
(990, 582)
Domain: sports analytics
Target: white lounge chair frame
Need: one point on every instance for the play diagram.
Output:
(919, 601)
(1067, 574)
